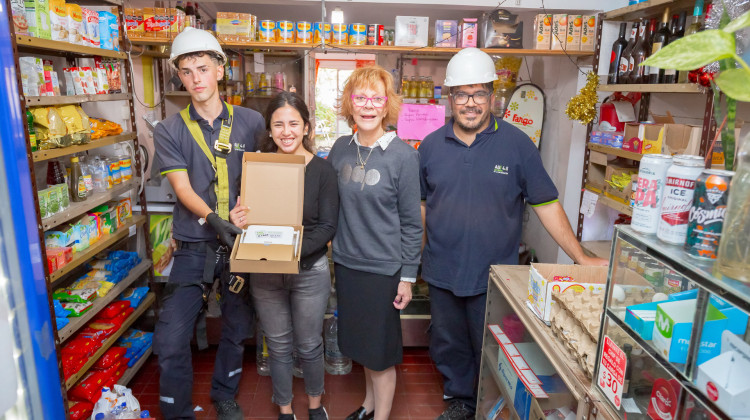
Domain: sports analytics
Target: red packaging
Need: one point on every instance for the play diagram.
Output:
(120, 319)
(110, 358)
(375, 34)
(112, 370)
(113, 309)
(80, 346)
(89, 388)
(79, 410)
(98, 331)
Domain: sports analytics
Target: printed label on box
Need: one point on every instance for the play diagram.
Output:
(612, 371)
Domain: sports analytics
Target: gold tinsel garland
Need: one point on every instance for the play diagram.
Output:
(582, 107)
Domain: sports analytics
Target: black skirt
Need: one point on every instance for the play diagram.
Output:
(369, 325)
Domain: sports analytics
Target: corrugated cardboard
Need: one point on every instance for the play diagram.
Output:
(570, 278)
(614, 169)
(272, 187)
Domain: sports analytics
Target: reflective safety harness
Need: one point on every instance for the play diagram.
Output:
(218, 159)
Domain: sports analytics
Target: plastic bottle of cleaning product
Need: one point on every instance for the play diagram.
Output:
(78, 190)
(335, 361)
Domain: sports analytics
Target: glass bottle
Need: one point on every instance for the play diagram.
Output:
(734, 247)
(641, 51)
(696, 25)
(77, 183)
(249, 85)
(404, 86)
(55, 173)
(659, 41)
(622, 72)
(413, 91)
(614, 60)
(261, 354)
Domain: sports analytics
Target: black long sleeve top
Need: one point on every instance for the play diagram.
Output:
(320, 210)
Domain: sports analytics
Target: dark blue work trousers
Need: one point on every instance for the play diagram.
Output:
(456, 342)
(174, 330)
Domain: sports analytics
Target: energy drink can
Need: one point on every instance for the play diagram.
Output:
(375, 34)
(677, 198)
(321, 32)
(706, 217)
(340, 34)
(358, 34)
(648, 194)
(304, 32)
(285, 31)
(267, 31)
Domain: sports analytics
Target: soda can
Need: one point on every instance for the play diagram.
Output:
(267, 31)
(357, 34)
(678, 197)
(340, 34)
(375, 34)
(285, 31)
(321, 32)
(706, 217)
(647, 196)
(304, 32)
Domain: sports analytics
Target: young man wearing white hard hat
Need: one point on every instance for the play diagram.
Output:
(200, 152)
(476, 172)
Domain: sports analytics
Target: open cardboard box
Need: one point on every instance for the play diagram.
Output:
(544, 278)
(615, 169)
(272, 188)
(663, 136)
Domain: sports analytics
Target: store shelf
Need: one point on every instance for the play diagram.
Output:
(655, 88)
(76, 323)
(42, 155)
(75, 99)
(489, 356)
(177, 93)
(646, 9)
(140, 310)
(614, 151)
(702, 272)
(611, 203)
(601, 249)
(130, 373)
(80, 208)
(30, 43)
(104, 243)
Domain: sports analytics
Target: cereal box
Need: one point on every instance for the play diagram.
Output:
(58, 18)
(559, 31)
(76, 27)
(542, 31)
(588, 32)
(573, 42)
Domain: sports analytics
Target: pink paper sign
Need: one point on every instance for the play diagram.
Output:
(415, 122)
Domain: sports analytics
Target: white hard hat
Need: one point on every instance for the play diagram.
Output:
(470, 66)
(192, 40)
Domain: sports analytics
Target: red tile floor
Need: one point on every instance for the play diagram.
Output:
(419, 392)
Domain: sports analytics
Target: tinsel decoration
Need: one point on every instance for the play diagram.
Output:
(582, 107)
(734, 8)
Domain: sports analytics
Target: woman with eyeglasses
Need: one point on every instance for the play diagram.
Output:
(378, 242)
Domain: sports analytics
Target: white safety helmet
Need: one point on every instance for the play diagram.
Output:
(192, 40)
(470, 66)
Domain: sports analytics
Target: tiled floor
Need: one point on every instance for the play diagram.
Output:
(418, 390)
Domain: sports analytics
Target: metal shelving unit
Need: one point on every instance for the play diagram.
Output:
(42, 155)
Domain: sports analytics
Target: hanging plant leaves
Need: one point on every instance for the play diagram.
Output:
(694, 51)
(735, 83)
(739, 23)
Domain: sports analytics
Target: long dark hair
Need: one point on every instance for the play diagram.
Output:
(279, 101)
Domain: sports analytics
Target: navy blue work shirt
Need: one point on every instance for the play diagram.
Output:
(176, 150)
(475, 199)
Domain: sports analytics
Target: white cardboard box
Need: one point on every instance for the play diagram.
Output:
(544, 278)
(724, 379)
(411, 31)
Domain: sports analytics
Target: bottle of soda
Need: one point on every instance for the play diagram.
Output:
(335, 361)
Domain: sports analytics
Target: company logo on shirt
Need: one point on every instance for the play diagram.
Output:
(240, 147)
(501, 169)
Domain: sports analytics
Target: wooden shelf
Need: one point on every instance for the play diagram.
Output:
(611, 203)
(648, 9)
(42, 155)
(75, 99)
(601, 249)
(140, 310)
(27, 43)
(104, 243)
(177, 93)
(489, 355)
(655, 88)
(96, 199)
(614, 151)
(76, 323)
(130, 373)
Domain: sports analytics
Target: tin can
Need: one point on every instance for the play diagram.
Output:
(677, 198)
(357, 34)
(706, 217)
(375, 34)
(647, 197)
(390, 37)
(321, 32)
(340, 34)
(285, 31)
(654, 274)
(304, 32)
(267, 31)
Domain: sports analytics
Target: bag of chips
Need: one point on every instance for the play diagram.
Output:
(89, 388)
(75, 295)
(109, 358)
(134, 295)
(77, 309)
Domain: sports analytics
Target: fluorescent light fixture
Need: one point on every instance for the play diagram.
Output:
(337, 16)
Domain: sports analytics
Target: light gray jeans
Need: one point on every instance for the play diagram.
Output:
(291, 309)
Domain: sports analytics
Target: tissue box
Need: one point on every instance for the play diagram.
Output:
(673, 325)
(411, 31)
(724, 378)
(272, 186)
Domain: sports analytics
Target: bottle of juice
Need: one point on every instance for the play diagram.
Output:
(405, 86)
(263, 85)
(78, 190)
(249, 85)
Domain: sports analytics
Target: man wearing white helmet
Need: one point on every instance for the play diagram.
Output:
(200, 152)
(476, 172)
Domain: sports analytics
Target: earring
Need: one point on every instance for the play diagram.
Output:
(270, 135)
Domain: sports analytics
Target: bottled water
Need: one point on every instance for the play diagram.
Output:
(335, 362)
(261, 354)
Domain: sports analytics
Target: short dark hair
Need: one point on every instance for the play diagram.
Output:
(282, 99)
(216, 58)
(489, 86)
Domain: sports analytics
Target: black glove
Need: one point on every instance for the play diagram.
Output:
(224, 229)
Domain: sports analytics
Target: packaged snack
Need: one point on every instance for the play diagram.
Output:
(51, 82)
(101, 72)
(77, 309)
(89, 389)
(59, 311)
(121, 318)
(105, 33)
(18, 11)
(80, 346)
(80, 410)
(134, 295)
(124, 211)
(32, 80)
(176, 22)
(131, 24)
(76, 27)
(87, 77)
(109, 358)
(59, 257)
(103, 128)
(61, 322)
(70, 88)
(63, 193)
(114, 309)
(114, 31)
(53, 202)
(111, 264)
(91, 20)
(79, 81)
(98, 331)
(37, 16)
(135, 341)
(110, 372)
(80, 133)
(42, 198)
(58, 18)
(56, 238)
(76, 295)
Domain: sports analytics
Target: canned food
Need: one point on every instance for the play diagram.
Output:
(647, 198)
(304, 32)
(375, 34)
(673, 282)
(654, 274)
(358, 34)
(321, 32)
(678, 198)
(285, 31)
(340, 34)
(267, 31)
(706, 217)
(390, 37)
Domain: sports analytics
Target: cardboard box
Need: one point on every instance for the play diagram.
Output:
(273, 187)
(588, 32)
(176, 22)
(724, 378)
(642, 138)
(446, 33)
(469, 32)
(673, 326)
(411, 31)
(544, 278)
(559, 31)
(573, 42)
(615, 169)
(680, 139)
(542, 31)
(597, 170)
(243, 30)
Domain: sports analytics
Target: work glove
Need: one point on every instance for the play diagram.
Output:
(224, 229)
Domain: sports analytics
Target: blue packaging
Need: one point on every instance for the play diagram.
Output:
(106, 21)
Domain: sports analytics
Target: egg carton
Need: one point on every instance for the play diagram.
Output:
(576, 340)
(585, 308)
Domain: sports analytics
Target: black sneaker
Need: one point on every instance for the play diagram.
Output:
(319, 413)
(457, 411)
(287, 417)
(228, 410)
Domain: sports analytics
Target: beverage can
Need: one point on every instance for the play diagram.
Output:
(267, 31)
(647, 196)
(677, 198)
(285, 31)
(304, 32)
(340, 34)
(321, 32)
(375, 34)
(706, 217)
(357, 34)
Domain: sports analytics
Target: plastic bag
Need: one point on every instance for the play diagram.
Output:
(109, 358)
(126, 395)
(75, 295)
(89, 388)
(81, 346)
(134, 295)
(114, 309)
(105, 404)
(61, 322)
(77, 309)
(59, 311)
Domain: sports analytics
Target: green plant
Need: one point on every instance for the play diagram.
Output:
(702, 48)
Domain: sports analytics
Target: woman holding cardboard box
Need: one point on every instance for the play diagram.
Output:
(291, 306)
(377, 245)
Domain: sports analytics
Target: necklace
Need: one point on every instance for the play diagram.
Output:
(361, 162)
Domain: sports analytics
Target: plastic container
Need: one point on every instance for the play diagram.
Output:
(335, 361)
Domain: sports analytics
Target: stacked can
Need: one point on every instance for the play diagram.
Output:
(648, 194)
(321, 33)
(340, 34)
(677, 198)
(304, 32)
(267, 31)
(285, 31)
(706, 218)
(375, 34)
(358, 34)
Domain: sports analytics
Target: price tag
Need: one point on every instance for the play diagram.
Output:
(131, 230)
(588, 203)
(612, 371)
